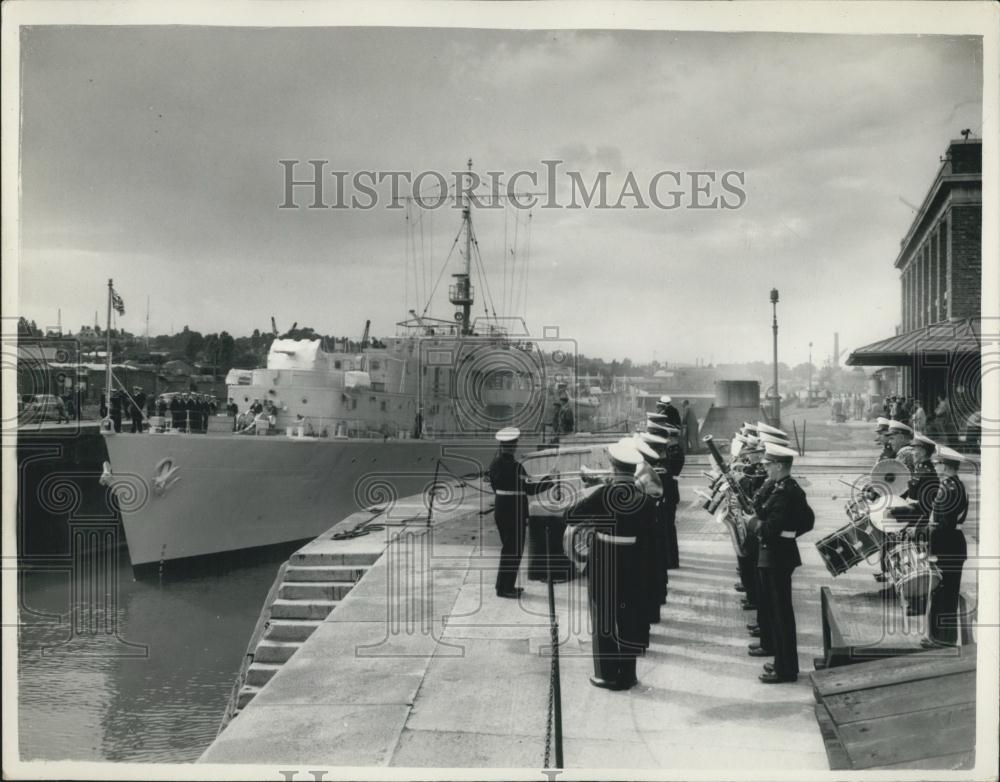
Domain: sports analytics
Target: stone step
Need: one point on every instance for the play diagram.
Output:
(332, 558)
(259, 674)
(341, 573)
(302, 609)
(275, 651)
(314, 590)
(291, 629)
(246, 694)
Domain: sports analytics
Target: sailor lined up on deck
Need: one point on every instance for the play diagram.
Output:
(511, 486)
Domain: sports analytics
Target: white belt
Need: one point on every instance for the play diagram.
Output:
(787, 533)
(622, 540)
(958, 526)
(505, 493)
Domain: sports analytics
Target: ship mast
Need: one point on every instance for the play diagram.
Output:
(461, 294)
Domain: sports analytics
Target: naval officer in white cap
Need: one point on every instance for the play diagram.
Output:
(783, 515)
(947, 543)
(618, 511)
(511, 486)
(666, 407)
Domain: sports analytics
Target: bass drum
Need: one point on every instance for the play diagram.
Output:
(914, 575)
(850, 545)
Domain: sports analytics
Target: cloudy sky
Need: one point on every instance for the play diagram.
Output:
(150, 155)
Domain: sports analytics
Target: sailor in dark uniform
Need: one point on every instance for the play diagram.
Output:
(881, 433)
(783, 514)
(651, 561)
(947, 544)
(923, 485)
(765, 434)
(137, 405)
(673, 463)
(511, 486)
(659, 547)
(618, 511)
(116, 409)
(753, 477)
(176, 412)
(665, 407)
(896, 438)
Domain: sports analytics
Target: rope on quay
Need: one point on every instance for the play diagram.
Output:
(553, 720)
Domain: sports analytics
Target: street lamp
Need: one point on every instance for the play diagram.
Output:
(776, 401)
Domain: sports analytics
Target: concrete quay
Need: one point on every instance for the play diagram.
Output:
(421, 665)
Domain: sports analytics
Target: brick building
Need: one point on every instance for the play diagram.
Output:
(937, 344)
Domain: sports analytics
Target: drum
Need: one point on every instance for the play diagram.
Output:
(913, 573)
(849, 545)
(856, 510)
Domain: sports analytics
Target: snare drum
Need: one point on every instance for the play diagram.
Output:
(849, 545)
(913, 574)
(856, 510)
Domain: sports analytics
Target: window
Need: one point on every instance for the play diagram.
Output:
(336, 365)
(382, 405)
(375, 364)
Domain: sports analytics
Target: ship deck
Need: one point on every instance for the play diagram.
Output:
(422, 666)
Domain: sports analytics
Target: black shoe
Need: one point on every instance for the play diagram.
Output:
(755, 633)
(753, 626)
(739, 587)
(746, 605)
(773, 678)
(930, 643)
(513, 593)
(607, 684)
(768, 667)
(755, 650)
(880, 577)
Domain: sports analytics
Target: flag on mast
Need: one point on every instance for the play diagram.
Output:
(117, 302)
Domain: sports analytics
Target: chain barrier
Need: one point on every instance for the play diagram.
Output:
(553, 722)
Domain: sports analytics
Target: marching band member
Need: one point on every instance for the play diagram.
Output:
(619, 511)
(659, 446)
(647, 480)
(924, 482)
(782, 514)
(674, 464)
(947, 543)
(881, 430)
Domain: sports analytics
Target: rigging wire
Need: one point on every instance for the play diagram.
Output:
(444, 267)
(482, 273)
(527, 265)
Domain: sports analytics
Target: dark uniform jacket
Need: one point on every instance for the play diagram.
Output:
(781, 506)
(673, 415)
(923, 487)
(622, 509)
(507, 474)
(672, 464)
(950, 507)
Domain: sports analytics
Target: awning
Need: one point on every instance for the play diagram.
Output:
(960, 337)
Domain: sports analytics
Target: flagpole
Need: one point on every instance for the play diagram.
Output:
(107, 388)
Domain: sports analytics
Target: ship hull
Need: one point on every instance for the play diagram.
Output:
(187, 496)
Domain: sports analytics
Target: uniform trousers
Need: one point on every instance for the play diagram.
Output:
(778, 617)
(951, 550)
(616, 610)
(511, 529)
(673, 553)
(747, 565)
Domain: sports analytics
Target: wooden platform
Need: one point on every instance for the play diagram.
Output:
(916, 711)
(867, 626)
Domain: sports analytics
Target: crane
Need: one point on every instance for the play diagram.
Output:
(364, 337)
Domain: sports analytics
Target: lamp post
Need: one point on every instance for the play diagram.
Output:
(776, 402)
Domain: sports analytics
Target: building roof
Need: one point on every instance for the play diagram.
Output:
(950, 337)
(961, 169)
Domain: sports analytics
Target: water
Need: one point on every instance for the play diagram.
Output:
(157, 691)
